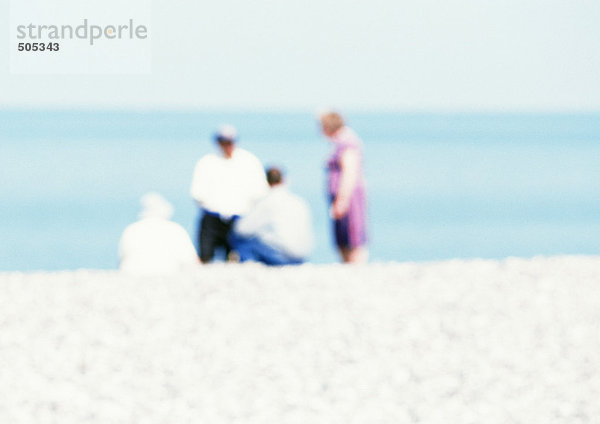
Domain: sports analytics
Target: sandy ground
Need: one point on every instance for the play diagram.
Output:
(513, 341)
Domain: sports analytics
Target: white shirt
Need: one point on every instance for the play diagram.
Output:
(228, 186)
(156, 246)
(281, 220)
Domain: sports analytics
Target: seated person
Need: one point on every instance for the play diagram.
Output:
(278, 231)
(154, 244)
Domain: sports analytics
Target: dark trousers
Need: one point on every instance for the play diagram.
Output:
(212, 234)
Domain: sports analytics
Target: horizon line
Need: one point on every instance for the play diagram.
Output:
(292, 111)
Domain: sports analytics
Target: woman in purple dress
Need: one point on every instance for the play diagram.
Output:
(346, 189)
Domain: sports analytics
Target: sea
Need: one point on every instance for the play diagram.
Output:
(440, 185)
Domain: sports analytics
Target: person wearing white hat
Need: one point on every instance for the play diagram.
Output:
(154, 244)
(225, 186)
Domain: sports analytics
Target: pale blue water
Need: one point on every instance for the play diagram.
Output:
(440, 186)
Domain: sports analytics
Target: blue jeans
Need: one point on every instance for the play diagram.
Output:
(252, 249)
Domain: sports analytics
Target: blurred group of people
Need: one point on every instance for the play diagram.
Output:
(249, 213)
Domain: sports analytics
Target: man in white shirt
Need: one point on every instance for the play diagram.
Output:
(225, 186)
(154, 244)
(278, 231)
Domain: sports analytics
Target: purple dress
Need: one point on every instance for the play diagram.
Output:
(350, 231)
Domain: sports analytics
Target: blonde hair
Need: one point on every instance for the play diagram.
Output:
(331, 121)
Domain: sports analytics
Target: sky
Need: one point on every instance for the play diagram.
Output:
(446, 55)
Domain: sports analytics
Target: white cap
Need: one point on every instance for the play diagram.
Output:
(155, 206)
(227, 132)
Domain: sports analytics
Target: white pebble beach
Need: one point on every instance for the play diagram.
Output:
(460, 341)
